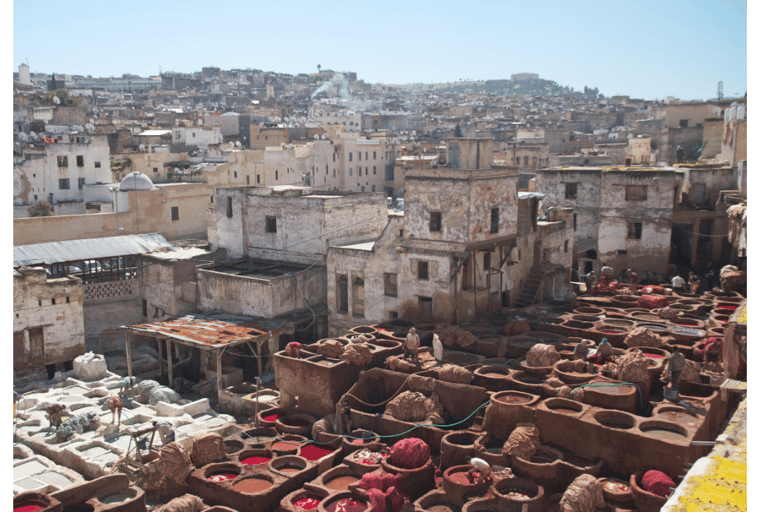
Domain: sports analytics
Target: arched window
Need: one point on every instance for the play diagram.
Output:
(342, 300)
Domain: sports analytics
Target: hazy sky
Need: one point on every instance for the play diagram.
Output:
(647, 49)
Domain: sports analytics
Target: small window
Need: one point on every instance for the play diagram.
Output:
(350, 156)
(326, 168)
(53, 302)
(366, 155)
(575, 216)
(258, 178)
(247, 179)
(435, 221)
(390, 284)
(374, 157)
(486, 260)
(683, 123)
(80, 183)
(80, 162)
(622, 252)
(636, 193)
(526, 161)
(97, 165)
(174, 213)
(334, 157)
(271, 224)
(64, 184)
(374, 169)
(494, 220)
(635, 230)
(235, 174)
(359, 171)
(229, 206)
(67, 299)
(342, 298)
(393, 314)
(62, 161)
(144, 307)
(425, 307)
(571, 190)
(424, 270)
(565, 246)
(154, 169)
(366, 170)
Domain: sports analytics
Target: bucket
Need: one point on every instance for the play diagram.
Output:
(669, 393)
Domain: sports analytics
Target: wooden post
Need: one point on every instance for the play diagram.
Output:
(128, 354)
(170, 360)
(258, 355)
(160, 357)
(219, 383)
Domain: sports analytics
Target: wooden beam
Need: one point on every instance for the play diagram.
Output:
(170, 361)
(128, 354)
(219, 384)
(160, 357)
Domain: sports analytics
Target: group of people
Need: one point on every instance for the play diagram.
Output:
(678, 283)
(413, 342)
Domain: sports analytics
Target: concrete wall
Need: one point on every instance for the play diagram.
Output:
(154, 207)
(54, 306)
(713, 137)
(106, 307)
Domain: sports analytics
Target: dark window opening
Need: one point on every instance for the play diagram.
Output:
(174, 213)
(62, 161)
(486, 260)
(571, 190)
(636, 193)
(144, 307)
(64, 184)
(390, 284)
(623, 252)
(494, 220)
(229, 206)
(80, 183)
(435, 221)
(80, 162)
(424, 270)
(271, 224)
(342, 300)
(635, 230)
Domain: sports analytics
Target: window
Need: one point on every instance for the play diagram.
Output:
(97, 165)
(144, 307)
(494, 220)
(571, 190)
(275, 174)
(350, 156)
(229, 206)
(350, 171)
(36, 343)
(64, 184)
(62, 161)
(247, 179)
(366, 155)
(178, 136)
(235, 174)
(635, 230)
(326, 168)
(366, 171)
(424, 270)
(258, 178)
(334, 157)
(622, 252)
(53, 302)
(174, 213)
(80, 162)
(374, 156)
(154, 169)
(486, 260)
(359, 171)
(390, 284)
(525, 159)
(358, 296)
(393, 314)
(373, 188)
(517, 160)
(271, 224)
(683, 123)
(374, 169)
(565, 246)
(80, 183)
(636, 193)
(575, 216)
(342, 300)
(435, 221)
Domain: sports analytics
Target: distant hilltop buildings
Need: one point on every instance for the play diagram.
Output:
(521, 77)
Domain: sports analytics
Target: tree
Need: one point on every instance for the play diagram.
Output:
(457, 131)
(41, 209)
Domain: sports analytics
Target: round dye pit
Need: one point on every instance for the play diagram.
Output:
(341, 483)
(252, 485)
(115, 498)
(325, 362)
(726, 306)
(650, 355)
(368, 457)
(460, 477)
(306, 503)
(443, 507)
(295, 422)
(613, 390)
(254, 460)
(678, 417)
(314, 452)
(614, 486)
(221, 476)
(282, 446)
(664, 433)
(290, 469)
(30, 506)
(516, 493)
(78, 507)
(346, 505)
(512, 399)
(271, 418)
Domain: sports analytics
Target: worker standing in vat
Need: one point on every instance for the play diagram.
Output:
(633, 280)
(581, 351)
(346, 416)
(606, 274)
(677, 284)
(570, 298)
(477, 467)
(604, 352)
(437, 349)
(590, 280)
(693, 282)
(675, 365)
(411, 344)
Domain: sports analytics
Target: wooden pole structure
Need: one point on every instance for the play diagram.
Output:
(219, 383)
(256, 353)
(128, 355)
(170, 360)
(160, 357)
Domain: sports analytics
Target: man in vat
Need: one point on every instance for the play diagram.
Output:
(581, 351)
(693, 282)
(604, 353)
(675, 365)
(570, 298)
(437, 349)
(478, 467)
(411, 345)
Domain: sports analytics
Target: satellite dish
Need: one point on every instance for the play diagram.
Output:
(237, 143)
(56, 100)
(324, 137)
(141, 147)
(317, 137)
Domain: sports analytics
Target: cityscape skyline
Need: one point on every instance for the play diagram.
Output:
(709, 39)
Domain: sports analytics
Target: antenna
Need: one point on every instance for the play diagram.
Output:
(720, 90)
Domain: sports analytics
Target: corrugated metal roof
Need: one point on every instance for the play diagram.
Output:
(87, 249)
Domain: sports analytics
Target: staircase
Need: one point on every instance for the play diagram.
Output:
(531, 288)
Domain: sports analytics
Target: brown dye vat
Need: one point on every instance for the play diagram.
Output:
(252, 485)
(341, 483)
(443, 507)
(614, 419)
(512, 399)
(346, 505)
(679, 417)
(664, 433)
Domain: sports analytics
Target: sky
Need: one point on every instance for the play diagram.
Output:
(645, 49)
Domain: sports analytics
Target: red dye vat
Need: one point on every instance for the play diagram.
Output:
(272, 417)
(687, 324)
(459, 478)
(357, 441)
(516, 493)
(653, 356)
(30, 506)
(722, 306)
(313, 452)
(221, 476)
(254, 461)
(347, 505)
(283, 446)
(307, 503)
(607, 331)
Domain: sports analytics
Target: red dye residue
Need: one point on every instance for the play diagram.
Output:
(283, 446)
(313, 452)
(272, 417)
(347, 505)
(611, 331)
(357, 441)
(459, 477)
(221, 476)
(30, 506)
(687, 324)
(653, 356)
(723, 306)
(307, 503)
(255, 460)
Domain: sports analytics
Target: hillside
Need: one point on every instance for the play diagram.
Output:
(537, 87)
